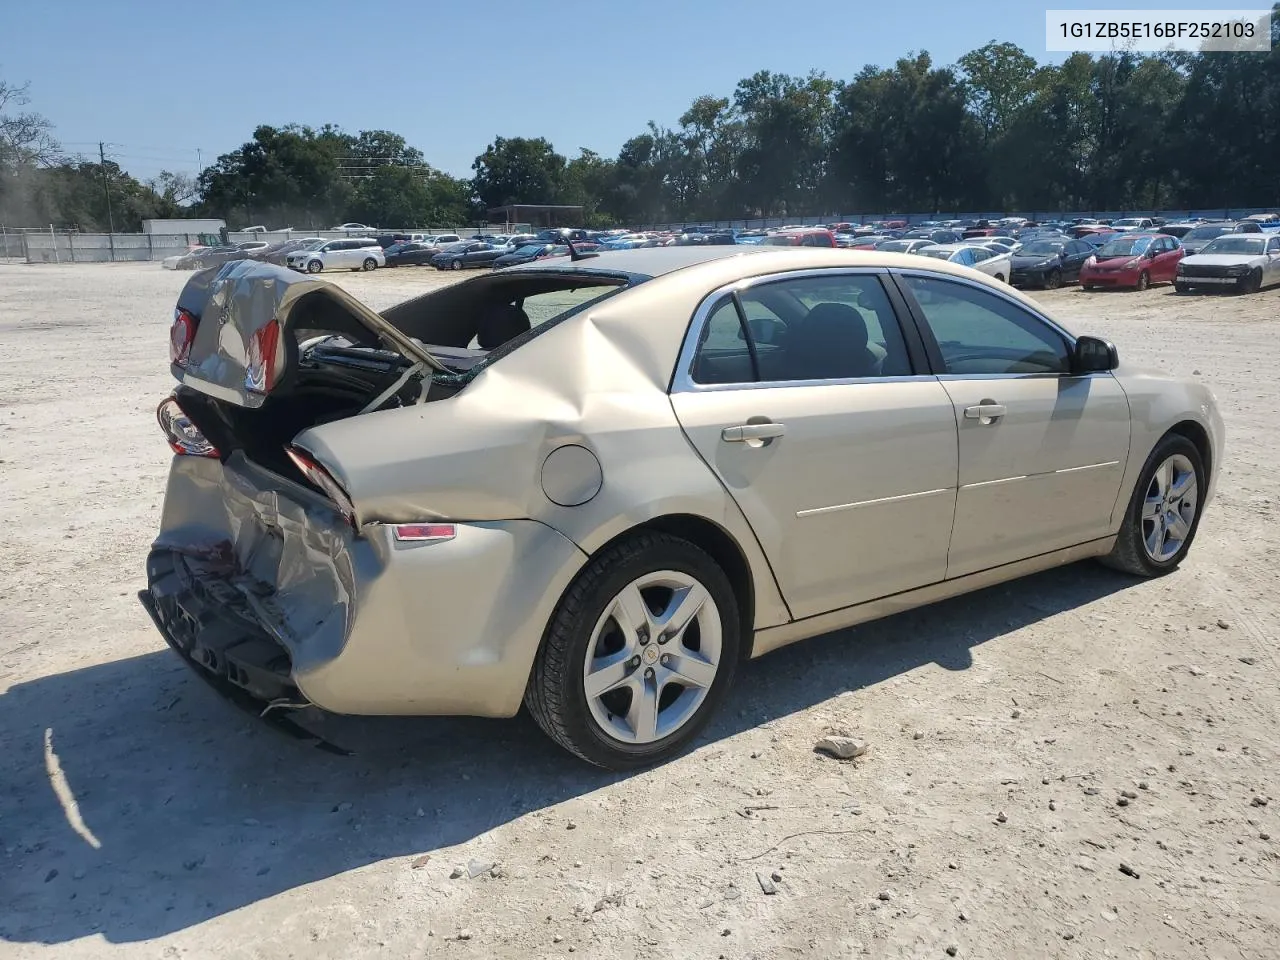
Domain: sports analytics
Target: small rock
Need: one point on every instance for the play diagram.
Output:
(766, 884)
(1091, 791)
(776, 877)
(421, 862)
(884, 895)
(1128, 871)
(1001, 818)
(571, 825)
(342, 807)
(842, 748)
(1045, 781)
(1248, 661)
(1129, 794)
(1068, 936)
(577, 864)
(78, 873)
(51, 874)
(455, 873)
(421, 812)
(192, 864)
(1223, 625)
(953, 866)
(1195, 373)
(478, 867)
(1122, 802)
(1052, 805)
(1143, 785)
(1195, 671)
(755, 754)
(464, 934)
(918, 735)
(1259, 801)
(1016, 714)
(1264, 836)
(952, 951)
(725, 932)
(263, 871)
(557, 939)
(963, 915)
(1108, 915)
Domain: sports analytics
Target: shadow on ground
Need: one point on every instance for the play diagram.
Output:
(179, 789)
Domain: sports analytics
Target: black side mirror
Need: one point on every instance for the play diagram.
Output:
(1094, 355)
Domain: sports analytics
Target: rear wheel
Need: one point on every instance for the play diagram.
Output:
(1164, 511)
(1054, 280)
(1144, 281)
(639, 653)
(314, 266)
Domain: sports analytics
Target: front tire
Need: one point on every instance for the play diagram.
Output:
(369, 264)
(1180, 287)
(314, 266)
(1163, 515)
(1253, 284)
(1144, 281)
(456, 265)
(1054, 280)
(639, 653)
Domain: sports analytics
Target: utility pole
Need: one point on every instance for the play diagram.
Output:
(106, 189)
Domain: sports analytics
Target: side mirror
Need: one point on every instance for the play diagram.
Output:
(1094, 355)
(764, 330)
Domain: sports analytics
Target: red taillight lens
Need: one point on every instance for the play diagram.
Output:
(184, 436)
(261, 364)
(320, 477)
(424, 532)
(181, 335)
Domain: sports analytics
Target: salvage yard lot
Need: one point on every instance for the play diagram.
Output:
(140, 816)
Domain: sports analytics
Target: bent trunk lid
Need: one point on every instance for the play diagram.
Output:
(236, 303)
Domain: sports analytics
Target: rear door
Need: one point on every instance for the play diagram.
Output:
(1041, 450)
(827, 430)
(1271, 272)
(1076, 252)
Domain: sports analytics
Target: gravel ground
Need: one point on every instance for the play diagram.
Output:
(140, 816)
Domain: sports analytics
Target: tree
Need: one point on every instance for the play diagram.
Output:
(518, 170)
(25, 137)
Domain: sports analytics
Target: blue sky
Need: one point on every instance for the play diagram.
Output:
(159, 81)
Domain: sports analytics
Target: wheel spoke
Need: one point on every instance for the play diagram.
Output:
(690, 670)
(1183, 485)
(1164, 477)
(1151, 507)
(608, 673)
(1178, 527)
(631, 615)
(642, 715)
(1155, 540)
(684, 606)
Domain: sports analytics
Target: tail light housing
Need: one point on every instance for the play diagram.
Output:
(181, 335)
(320, 478)
(184, 437)
(424, 532)
(264, 359)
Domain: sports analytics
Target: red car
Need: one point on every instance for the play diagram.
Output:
(816, 237)
(1134, 260)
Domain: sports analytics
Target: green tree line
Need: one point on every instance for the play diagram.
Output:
(997, 130)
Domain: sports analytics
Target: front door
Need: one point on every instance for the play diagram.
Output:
(1041, 451)
(839, 450)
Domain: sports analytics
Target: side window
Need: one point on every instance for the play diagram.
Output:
(966, 257)
(979, 332)
(1273, 245)
(833, 327)
(980, 253)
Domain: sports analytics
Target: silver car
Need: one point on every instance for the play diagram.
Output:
(356, 253)
(1242, 262)
(988, 260)
(597, 485)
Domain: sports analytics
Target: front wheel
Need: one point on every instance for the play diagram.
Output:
(1180, 287)
(369, 264)
(1253, 284)
(456, 265)
(1054, 280)
(314, 266)
(1144, 281)
(1087, 286)
(1164, 511)
(639, 653)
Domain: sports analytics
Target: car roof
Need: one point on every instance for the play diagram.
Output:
(652, 261)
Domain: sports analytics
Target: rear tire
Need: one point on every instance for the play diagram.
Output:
(314, 266)
(589, 622)
(369, 264)
(1144, 281)
(1142, 547)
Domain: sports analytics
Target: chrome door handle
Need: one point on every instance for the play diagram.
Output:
(987, 412)
(752, 431)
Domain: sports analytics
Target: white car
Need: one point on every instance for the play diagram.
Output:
(984, 259)
(352, 226)
(1244, 262)
(1131, 224)
(440, 240)
(357, 253)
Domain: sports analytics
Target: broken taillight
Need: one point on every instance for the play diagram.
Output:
(319, 477)
(264, 356)
(184, 436)
(181, 336)
(424, 532)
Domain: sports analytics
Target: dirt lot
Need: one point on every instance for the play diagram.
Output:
(140, 816)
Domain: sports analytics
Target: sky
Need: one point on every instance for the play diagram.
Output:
(170, 85)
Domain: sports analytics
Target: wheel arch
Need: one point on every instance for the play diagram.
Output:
(719, 544)
(1199, 436)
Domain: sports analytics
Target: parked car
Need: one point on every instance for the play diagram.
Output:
(472, 253)
(410, 254)
(933, 235)
(352, 226)
(413, 529)
(1193, 241)
(997, 265)
(531, 252)
(1243, 263)
(901, 246)
(1133, 224)
(441, 239)
(203, 258)
(182, 261)
(1049, 263)
(1178, 228)
(801, 237)
(1134, 260)
(1097, 240)
(356, 253)
(278, 253)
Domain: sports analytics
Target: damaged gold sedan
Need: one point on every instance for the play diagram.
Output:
(596, 485)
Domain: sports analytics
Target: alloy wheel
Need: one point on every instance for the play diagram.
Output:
(1169, 509)
(652, 658)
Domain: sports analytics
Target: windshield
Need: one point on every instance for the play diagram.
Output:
(1206, 233)
(1125, 247)
(1254, 246)
(1041, 248)
(938, 252)
(530, 248)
